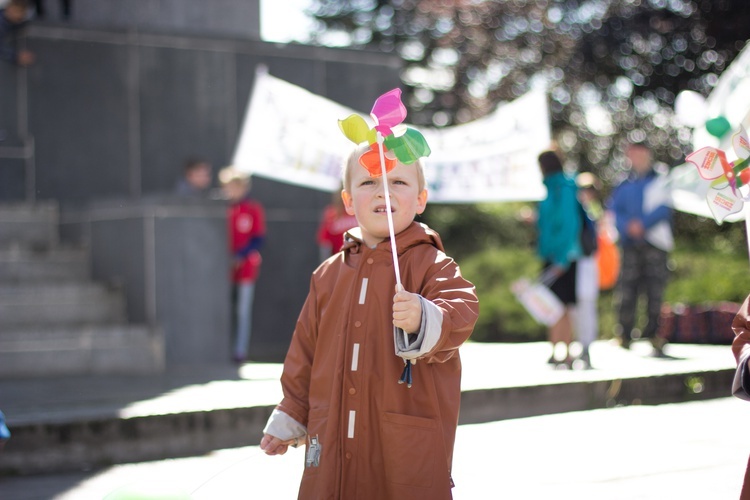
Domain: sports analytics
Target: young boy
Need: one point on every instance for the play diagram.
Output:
(369, 437)
(247, 230)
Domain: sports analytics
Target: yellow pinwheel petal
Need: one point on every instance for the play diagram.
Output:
(355, 129)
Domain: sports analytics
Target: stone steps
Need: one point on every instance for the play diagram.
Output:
(60, 304)
(103, 349)
(55, 321)
(25, 265)
(29, 225)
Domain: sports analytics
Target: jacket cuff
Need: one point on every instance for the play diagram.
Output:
(413, 346)
(284, 427)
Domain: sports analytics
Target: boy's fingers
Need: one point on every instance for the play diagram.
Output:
(402, 296)
(265, 442)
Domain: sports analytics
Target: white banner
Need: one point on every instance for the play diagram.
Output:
(292, 135)
(493, 158)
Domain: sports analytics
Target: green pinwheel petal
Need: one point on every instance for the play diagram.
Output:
(409, 147)
(356, 130)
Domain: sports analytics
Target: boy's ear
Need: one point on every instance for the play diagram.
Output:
(422, 201)
(347, 199)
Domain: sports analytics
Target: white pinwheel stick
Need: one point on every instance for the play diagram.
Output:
(391, 231)
(388, 212)
(406, 376)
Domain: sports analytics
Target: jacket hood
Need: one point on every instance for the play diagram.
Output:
(414, 235)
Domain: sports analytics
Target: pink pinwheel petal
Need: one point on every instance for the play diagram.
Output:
(388, 111)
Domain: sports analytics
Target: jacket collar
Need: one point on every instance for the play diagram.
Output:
(416, 234)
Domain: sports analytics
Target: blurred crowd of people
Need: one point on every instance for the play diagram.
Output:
(586, 245)
(576, 245)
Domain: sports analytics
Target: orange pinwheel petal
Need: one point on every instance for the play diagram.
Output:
(371, 161)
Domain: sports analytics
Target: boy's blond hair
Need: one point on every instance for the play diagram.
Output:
(353, 161)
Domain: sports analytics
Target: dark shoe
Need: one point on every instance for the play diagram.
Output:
(585, 360)
(658, 344)
(625, 343)
(658, 352)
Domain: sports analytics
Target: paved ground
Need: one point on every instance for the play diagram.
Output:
(485, 366)
(686, 451)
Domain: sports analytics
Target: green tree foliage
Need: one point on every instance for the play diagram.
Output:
(467, 229)
(612, 67)
(496, 246)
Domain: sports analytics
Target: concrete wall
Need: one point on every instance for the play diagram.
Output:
(112, 115)
(170, 257)
(226, 17)
(115, 113)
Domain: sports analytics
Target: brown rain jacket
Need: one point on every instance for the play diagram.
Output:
(378, 438)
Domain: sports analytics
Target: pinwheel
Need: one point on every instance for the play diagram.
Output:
(728, 182)
(402, 143)
(390, 142)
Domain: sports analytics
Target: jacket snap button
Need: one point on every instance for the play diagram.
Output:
(370, 261)
(352, 391)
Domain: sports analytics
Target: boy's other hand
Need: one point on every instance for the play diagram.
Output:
(407, 311)
(273, 445)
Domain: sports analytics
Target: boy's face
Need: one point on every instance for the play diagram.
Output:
(365, 199)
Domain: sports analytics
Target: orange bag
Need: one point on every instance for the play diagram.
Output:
(608, 261)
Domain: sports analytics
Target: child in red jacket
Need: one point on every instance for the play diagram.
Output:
(333, 225)
(247, 230)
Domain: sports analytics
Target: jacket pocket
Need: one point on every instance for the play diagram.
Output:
(410, 448)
